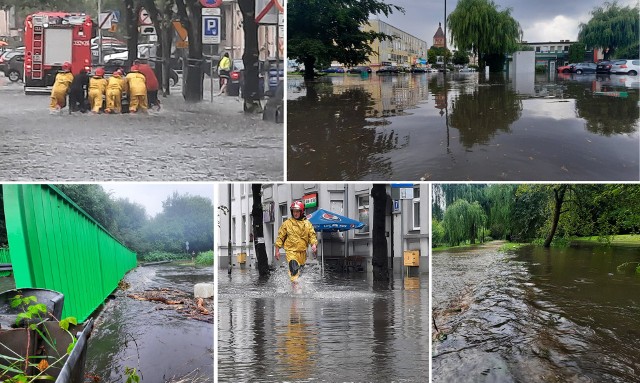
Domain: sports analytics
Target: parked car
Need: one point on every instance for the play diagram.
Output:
(565, 68)
(333, 69)
(418, 70)
(468, 70)
(6, 56)
(359, 69)
(604, 67)
(388, 69)
(626, 66)
(581, 68)
(15, 68)
(235, 78)
(274, 77)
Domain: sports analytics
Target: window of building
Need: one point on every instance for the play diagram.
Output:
(415, 204)
(233, 230)
(363, 212)
(244, 229)
(538, 49)
(553, 48)
(284, 211)
(566, 48)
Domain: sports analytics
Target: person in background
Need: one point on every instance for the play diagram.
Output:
(78, 92)
(295, 235)
(224, 70)
(61, 86)
(97, 89)
(151, 83)
(137, 89)
(115, 87)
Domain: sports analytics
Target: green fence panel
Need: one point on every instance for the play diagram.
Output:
(56, 245)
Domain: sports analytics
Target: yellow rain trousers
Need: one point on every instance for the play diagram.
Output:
(136, 83)
(295, 236)
(115, 87)
(60, 90)
(97, 87)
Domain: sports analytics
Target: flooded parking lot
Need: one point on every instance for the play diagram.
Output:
(340, 328)
(467, 126)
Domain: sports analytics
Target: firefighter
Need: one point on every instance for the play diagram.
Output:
(137, 90)
(115, 87)
(97, 88)
(151, 82)
(78, 92)
(61, 88)
(295, 235)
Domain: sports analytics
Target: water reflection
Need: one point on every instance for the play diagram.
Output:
(469, 127)
(333, 329)
(537, 315)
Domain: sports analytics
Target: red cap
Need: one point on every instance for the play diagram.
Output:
(66, 66)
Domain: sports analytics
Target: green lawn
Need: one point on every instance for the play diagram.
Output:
(618, 240)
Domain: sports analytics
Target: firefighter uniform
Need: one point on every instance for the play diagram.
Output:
(137, 91)
(115, 87)
(97, 87)
(295, 235)
(60, 90)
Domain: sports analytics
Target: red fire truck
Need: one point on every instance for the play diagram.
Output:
(51, 38)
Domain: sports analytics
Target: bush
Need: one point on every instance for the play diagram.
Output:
(157, 256)
(205, 259)
(541, 69)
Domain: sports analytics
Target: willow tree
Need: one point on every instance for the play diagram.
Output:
(478, 26)
(321, 31)
(612, 28)
(463, 221)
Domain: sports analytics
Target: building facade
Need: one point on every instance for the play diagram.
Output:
(404, 50)
(438, 38)
(406, 222)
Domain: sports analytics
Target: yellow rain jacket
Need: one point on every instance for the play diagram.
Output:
(136, 83)
(60, 90)
(115, 87)
(295, 236)
(97, 88)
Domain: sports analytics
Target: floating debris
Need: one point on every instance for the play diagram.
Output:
(184, 303)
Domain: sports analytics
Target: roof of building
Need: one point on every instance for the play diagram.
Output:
(439, 32)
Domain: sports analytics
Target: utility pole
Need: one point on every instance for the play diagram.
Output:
(229, 250)
(445, 38)
(99, 33)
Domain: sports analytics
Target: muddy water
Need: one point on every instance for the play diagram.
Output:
(469, 127)
(331, 330)
(537, 315)
(161, 344)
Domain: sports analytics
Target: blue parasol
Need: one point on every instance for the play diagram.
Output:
(324, 220)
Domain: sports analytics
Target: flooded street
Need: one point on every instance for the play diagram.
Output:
(536, 315)
(182, 142)
(332, 330)
(469, 127)
(161, 344)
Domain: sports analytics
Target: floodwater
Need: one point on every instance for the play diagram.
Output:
(469, 127)
(161, 344)
(340, 329)
(537, 315)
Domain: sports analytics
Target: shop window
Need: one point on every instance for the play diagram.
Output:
(363, 213)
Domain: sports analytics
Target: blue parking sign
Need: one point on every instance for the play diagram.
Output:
(210, 29)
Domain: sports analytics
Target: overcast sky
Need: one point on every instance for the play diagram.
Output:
(540, 20)
(152, 195)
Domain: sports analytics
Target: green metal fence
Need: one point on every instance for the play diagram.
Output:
(56, 245)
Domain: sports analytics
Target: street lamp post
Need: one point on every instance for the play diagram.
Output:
(445, 37)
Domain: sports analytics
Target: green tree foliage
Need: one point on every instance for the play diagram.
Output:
(435, 52)
(500, 201)
(612, 27)
(437, 233)
(94, 201)
(460, 57)
(478, 26)
(576, 53)
(323, 31)
(463, 221)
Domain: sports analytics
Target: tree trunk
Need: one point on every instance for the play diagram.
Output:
(378, 232)
(251, 90)
(309, 64)
(131, 12)
(558, 195)
(258, 230)
(190, 14)
(158, 22)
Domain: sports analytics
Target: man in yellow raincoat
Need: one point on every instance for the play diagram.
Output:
(97, 88)
(295, 235)
(115, 87)
(136, 84)
(61, 88)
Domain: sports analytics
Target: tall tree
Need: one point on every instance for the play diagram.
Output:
(258, 231)
(500, 204)
(611, 27)
(322, 31)
(250, 93)
(190, 15)
(460, 57)
(478, 26)
(131, 12)
(379, 240)
(559, 193)
(464, 221)
(162, 16)
(576, 53)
